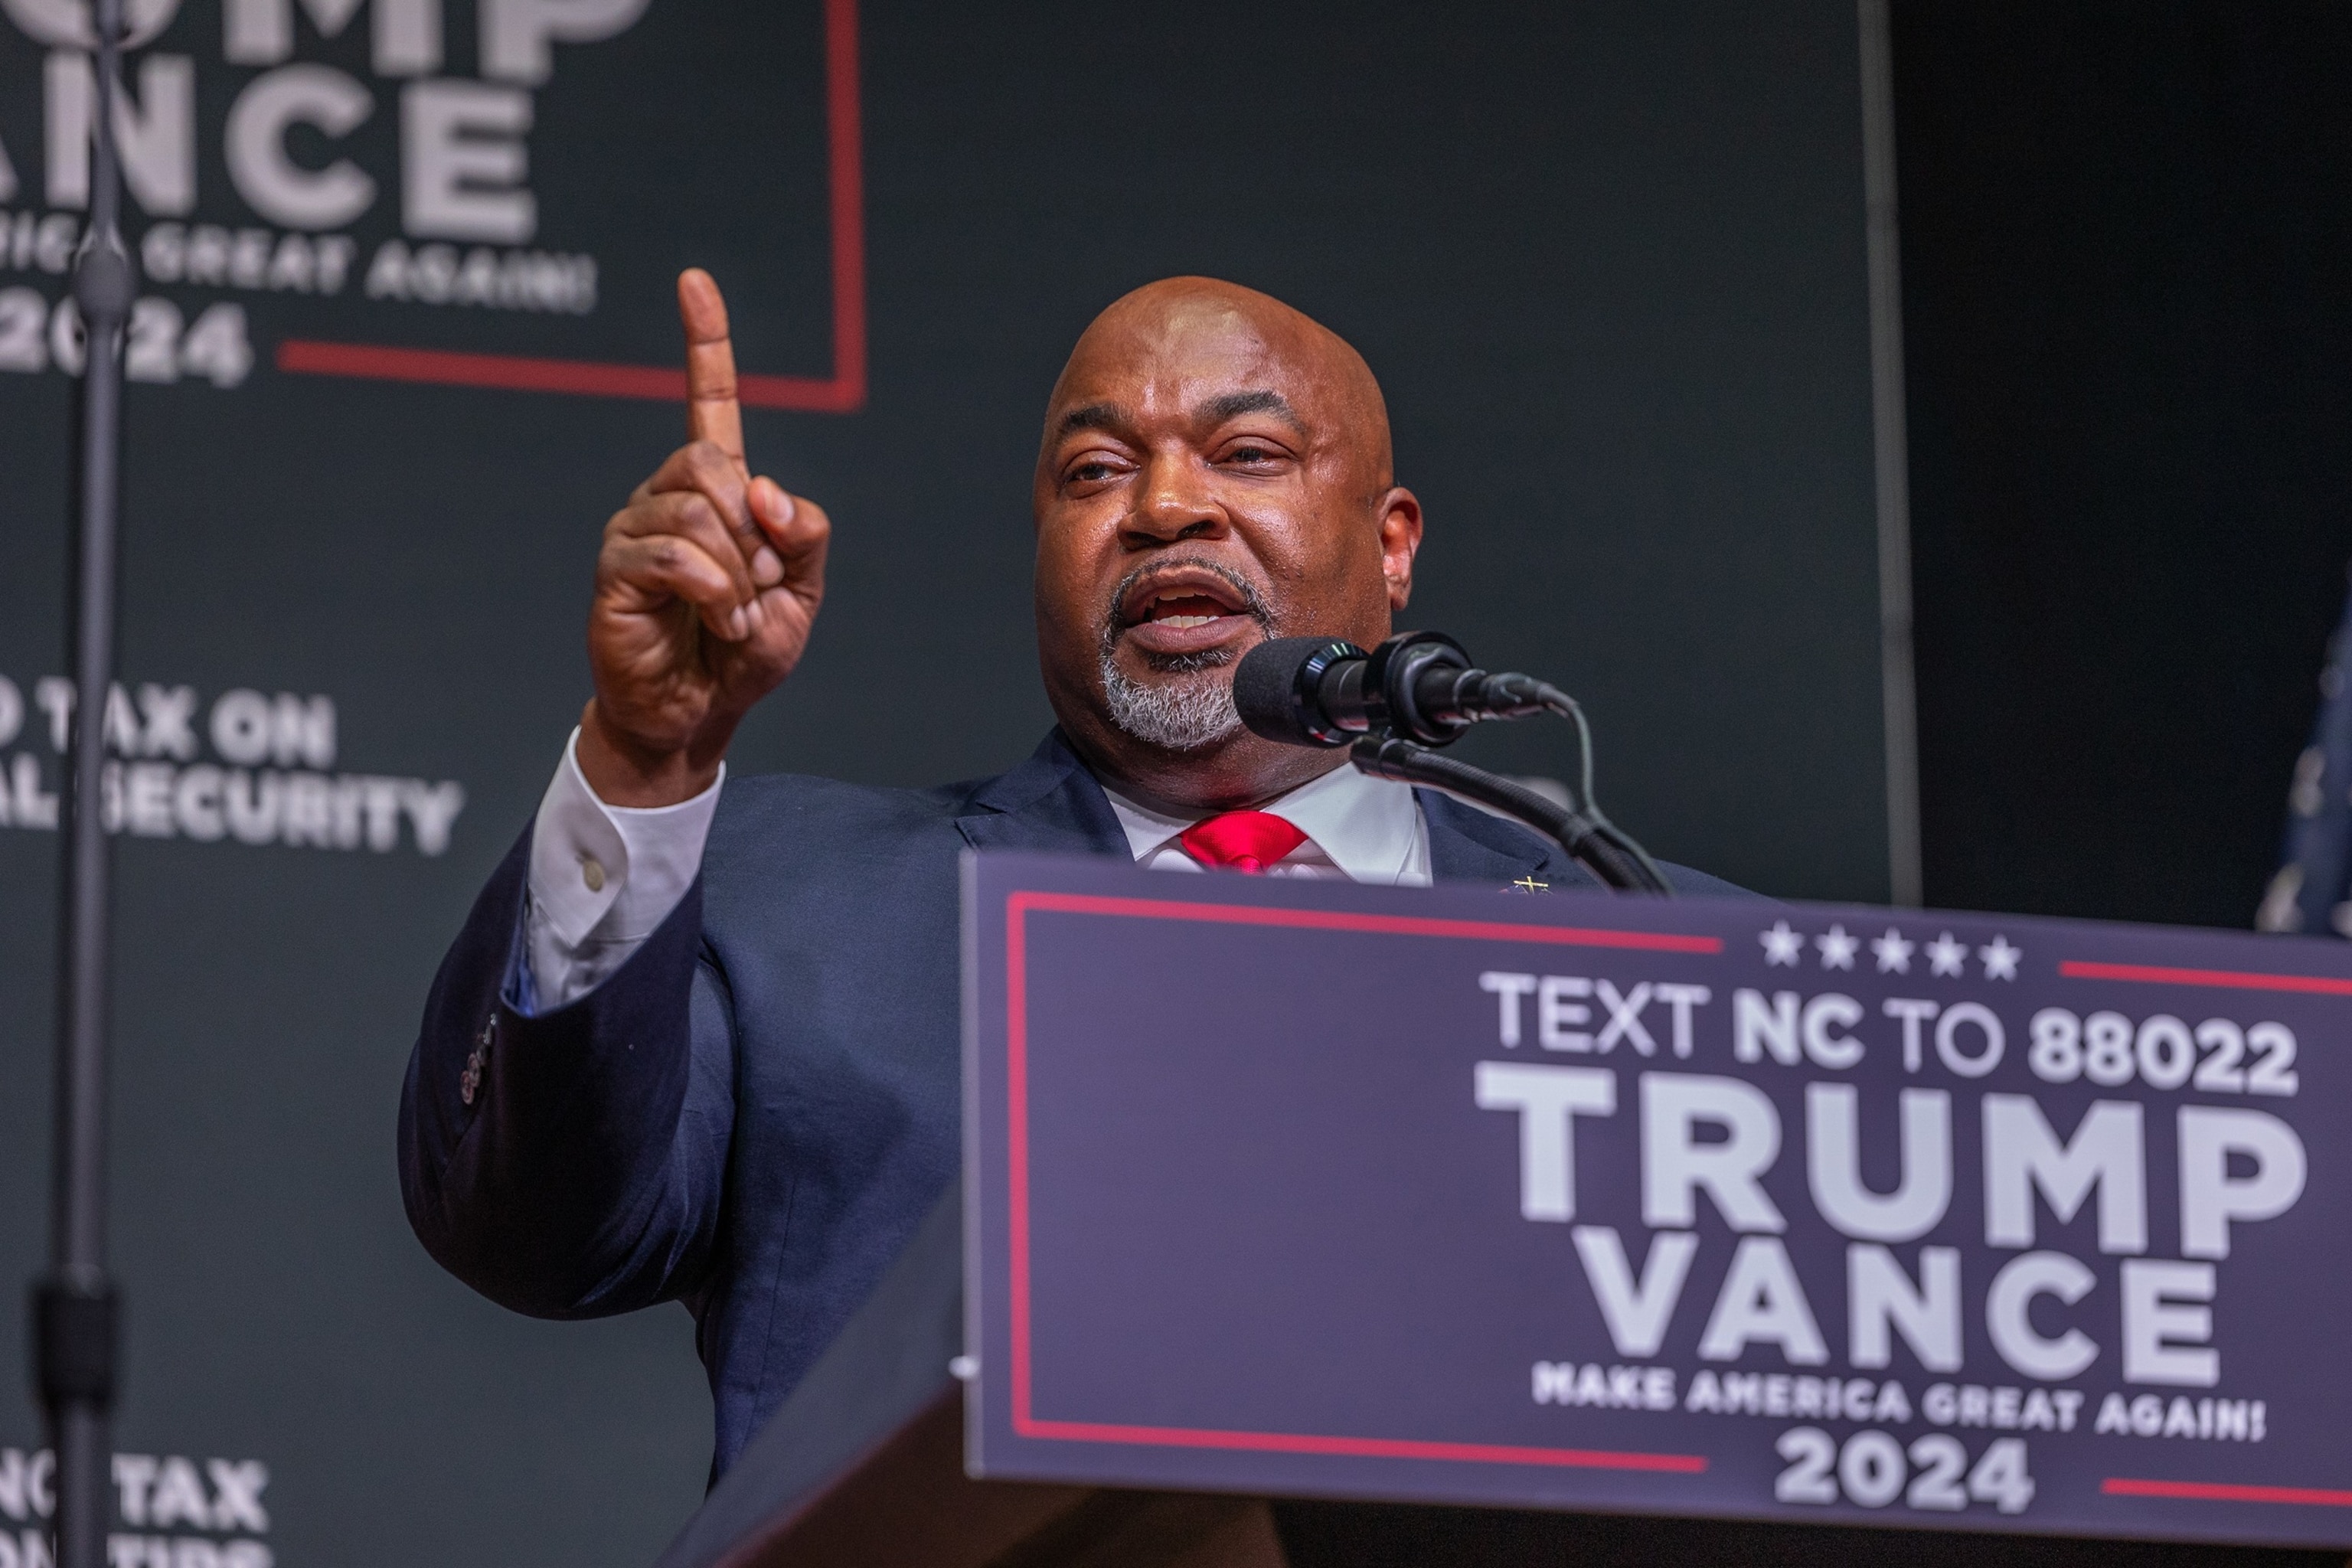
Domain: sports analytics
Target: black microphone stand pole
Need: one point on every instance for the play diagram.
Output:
(75, 1329)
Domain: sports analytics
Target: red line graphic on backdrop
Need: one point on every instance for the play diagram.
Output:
(1017, 907)
(844, 392)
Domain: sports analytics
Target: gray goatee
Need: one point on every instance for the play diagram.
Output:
(1192, 706)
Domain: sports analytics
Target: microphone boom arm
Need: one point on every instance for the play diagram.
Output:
(1596, 845)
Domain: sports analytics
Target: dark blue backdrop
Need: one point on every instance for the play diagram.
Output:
(1607, 258)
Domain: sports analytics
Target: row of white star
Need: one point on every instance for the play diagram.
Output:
(1947, 955)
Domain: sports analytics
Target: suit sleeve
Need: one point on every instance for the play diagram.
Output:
(570, 1163)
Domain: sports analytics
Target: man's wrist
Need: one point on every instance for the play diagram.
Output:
(625, 772)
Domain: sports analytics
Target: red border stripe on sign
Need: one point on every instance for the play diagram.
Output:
(2238, 980)
(841, 393)
(1374, 1448)
(1017, 908)
(1339, 919)
(2225, 1491)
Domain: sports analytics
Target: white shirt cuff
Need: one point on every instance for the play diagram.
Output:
(602, 877)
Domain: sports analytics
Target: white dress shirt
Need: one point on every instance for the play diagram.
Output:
(603, 876)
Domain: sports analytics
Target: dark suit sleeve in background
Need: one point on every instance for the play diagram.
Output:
(569, 1165)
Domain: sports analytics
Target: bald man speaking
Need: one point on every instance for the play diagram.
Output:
(699, 1040)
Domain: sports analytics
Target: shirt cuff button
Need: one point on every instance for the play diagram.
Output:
(591, 871)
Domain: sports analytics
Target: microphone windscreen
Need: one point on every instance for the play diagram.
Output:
(1267, 681)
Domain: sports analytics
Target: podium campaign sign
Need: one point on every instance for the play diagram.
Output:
(1701, 1207)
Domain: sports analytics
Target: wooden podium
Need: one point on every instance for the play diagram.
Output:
(1316, 1252)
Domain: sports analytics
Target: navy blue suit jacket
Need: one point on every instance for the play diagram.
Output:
(753, 1112)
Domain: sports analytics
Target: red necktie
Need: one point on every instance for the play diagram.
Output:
(1243, 840)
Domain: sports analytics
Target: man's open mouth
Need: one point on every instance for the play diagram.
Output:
(1180, 596)
(1182, 612)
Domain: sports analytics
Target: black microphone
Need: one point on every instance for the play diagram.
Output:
(1419, 690)
(1321, 691)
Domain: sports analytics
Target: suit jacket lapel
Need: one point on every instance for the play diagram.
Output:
(1048, 803)
(1467, 845)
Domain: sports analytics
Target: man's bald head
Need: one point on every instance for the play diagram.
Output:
(1215, 471)
(1163, 322)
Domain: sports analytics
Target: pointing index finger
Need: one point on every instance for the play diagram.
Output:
(711, 413)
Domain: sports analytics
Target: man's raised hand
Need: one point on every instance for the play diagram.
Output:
(705, 588)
